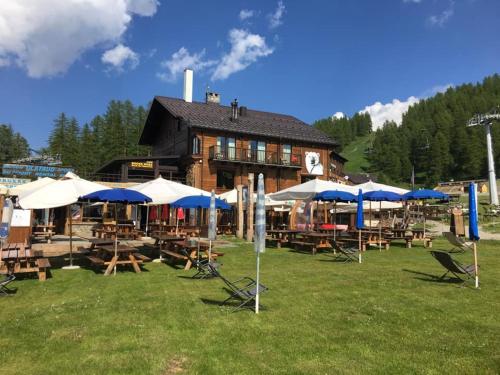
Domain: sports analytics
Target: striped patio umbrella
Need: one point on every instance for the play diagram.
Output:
(260, 231)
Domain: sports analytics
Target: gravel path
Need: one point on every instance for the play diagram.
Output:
(439, 227)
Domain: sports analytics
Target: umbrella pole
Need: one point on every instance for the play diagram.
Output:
(370, 216)
(160, 259)
(257, 284)
(476, 268)
(71, 266)
(380, 226)
(335, 222)
(359, 251)
(116, 239)
(147, 219)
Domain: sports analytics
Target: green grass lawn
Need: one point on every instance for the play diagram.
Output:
(387, 315)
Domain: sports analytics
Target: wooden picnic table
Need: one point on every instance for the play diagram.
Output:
(105, 255)
(166, 238)
(44, 231)
(175, 252)
(281, 236)
(315, 241)
(20, 258)
(97, 242)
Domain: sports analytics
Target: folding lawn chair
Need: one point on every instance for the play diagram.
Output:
(460, 245)
(346, 254)
(453, 266)
(244, 290)
(4, 290)
(205, 267)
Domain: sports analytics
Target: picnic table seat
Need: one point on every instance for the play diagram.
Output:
(300, 245)
(43, 264)
(142, 257)
(275, 241)
(96, 261)
(174, 255)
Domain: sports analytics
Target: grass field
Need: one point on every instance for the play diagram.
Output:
(388, 315)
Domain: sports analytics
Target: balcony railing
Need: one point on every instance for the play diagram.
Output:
(242, 155)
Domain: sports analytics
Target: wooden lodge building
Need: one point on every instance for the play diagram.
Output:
(211, 146)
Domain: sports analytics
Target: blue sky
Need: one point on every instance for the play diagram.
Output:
(309, 59)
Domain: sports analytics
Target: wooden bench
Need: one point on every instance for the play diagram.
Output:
(42, 264)
(96, 261)
(173, 255)
(47, 235)
(428, 242)
(142, 257)
(274, 241)
(301, 244)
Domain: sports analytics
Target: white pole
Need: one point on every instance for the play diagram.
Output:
(335, 222)
(380, 226)
(116, 238)
(476, 268)
(359, 250)
(491, 167)
(147, 219)
(257, 286)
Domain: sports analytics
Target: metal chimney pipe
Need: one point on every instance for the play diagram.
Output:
(234, 110)
(188, 86)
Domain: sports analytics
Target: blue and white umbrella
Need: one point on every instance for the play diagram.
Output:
(473, 226)
(260, 231)
(360, 220)
(212, 225)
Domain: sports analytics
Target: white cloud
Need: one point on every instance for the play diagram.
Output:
(412, 1)
(245, 14)
(181, 60)
(380, 113)
(246, 48)
(441, 19)
(436, 90)
(47, 37)
(338, 115)
(275, 19)
(120, 57)
(143, 7)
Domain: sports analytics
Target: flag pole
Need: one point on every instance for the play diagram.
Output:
(380, 226)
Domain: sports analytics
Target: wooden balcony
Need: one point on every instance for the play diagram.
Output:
(246, 156)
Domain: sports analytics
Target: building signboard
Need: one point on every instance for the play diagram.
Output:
(147, 164)
(10, 182)
(34, 171)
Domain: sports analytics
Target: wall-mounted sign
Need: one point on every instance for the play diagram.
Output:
(313, 164)
(34, 171)
(10, 182)
(147, 164)
(21, 218)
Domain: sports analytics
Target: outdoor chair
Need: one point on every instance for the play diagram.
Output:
(243, 290)
(453, 266)
(459, 244)
(4, 290)
(205, 267)
(345, 254)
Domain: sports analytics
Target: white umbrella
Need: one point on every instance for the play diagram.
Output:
(375, 186)
(24, 189)
(63, 192)
(163, 191)
(309, 189)
(260, 232)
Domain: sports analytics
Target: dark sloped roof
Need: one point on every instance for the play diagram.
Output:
(218, 117)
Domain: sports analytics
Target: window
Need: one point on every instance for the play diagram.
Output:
(261, 152)
(257, 151)
(231, 148)
(225, 179)
(221, 148)
(196, 143)
(286, 154)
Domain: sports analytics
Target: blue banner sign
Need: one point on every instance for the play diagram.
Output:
(10, 182)
(27, 170)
